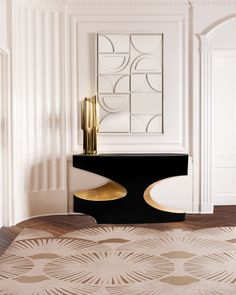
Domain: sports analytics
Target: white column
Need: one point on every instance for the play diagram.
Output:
(206, 65)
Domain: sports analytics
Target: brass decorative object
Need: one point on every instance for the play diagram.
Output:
(107, 192)
(89, 125)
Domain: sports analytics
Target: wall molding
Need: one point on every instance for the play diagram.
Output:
(206, 203)
(38, 66)
(227, 199)
(48, 5)
(6, 180)
(144, 3)
(219, 26)
(212, 2)
(39, 131)
(126, 3)
(119, 143)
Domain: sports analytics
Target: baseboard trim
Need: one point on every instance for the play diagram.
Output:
(228, 199)
(206, 208)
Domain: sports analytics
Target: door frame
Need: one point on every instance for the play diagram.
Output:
(206, 53)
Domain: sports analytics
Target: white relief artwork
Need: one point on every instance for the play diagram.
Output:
(130, 83)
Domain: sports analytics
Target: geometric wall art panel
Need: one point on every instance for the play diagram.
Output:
(130, 83)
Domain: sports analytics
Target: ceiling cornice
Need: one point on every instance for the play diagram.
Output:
(126, 3)
(212, 2)
(57, 5)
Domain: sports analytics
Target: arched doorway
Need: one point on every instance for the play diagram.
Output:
(218, 115)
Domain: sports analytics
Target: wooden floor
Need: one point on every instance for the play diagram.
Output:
(60, 224)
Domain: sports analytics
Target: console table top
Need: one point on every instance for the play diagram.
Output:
(133, 155)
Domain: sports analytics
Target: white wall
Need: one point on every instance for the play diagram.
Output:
(50, 58)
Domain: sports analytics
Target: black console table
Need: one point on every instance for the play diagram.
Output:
(134, 172)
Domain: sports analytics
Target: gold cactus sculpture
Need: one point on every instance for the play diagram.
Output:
(89, 124)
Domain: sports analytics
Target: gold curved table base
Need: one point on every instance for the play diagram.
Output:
(151, 202)
(108, 192)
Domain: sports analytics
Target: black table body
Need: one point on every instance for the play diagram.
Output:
(135, 172)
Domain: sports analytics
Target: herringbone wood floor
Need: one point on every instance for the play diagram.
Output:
(60, 224)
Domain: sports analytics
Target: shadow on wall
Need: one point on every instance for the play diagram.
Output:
(45, 188)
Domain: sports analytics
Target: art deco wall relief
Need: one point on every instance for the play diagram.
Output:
(129, 83)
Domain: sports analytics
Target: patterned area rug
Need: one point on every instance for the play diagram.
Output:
(121, 261)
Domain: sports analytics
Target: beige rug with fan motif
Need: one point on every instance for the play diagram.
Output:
(120, 260)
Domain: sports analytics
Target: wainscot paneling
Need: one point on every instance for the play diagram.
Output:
(82, 25)
(39, 108)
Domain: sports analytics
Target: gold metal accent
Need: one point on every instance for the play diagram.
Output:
(89, 124)
(151, 202)
(108, 192)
